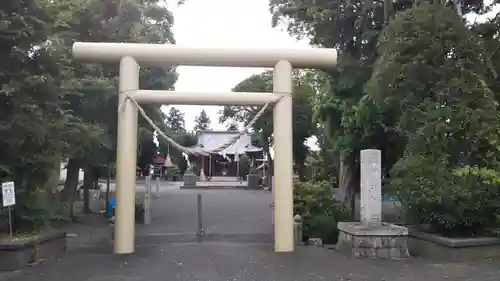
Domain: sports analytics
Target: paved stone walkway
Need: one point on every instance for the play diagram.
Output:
(238, 247)
(227, 212)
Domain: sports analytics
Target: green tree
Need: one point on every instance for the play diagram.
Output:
(302, 114)
(175, 128)
(347, 116)
(175, 120)
(84, 96)
(451, 111)
(31, 117)
(449, 120)
(202, 122)
(330, 24)
(94, 104)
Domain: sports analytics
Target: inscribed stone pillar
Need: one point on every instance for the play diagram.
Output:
(371, 187)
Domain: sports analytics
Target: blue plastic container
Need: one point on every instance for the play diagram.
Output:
(111, 206)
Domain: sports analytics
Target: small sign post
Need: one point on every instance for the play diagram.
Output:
(9, 200)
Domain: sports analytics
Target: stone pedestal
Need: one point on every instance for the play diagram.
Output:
(371, 238)
(189, 181)
(253, 181)
(387, 241)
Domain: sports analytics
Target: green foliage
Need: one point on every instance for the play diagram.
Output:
(303, 126)
(448, 119)
(54, 108)
(422, 86)
(460, 202)
(348, 121)
(324, 227)
(320, 213)
(449, 108)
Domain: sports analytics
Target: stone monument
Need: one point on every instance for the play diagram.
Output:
(372, 238)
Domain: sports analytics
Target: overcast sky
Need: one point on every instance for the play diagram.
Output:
(222, 23)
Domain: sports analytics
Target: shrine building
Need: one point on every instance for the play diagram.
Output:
(225, 163)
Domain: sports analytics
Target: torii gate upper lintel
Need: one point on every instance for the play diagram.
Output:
(130, 55)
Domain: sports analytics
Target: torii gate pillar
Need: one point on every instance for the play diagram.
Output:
(283, 159)
(131, 55)
(126, 158)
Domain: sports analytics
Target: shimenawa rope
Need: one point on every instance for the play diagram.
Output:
(232, 141)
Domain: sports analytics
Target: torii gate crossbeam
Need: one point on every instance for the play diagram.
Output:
(130, 55)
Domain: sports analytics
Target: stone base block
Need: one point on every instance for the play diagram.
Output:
(189, 181)
(385, 241)
(253, 182)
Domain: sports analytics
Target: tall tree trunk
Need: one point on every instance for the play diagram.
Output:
(88, 183)
(347, 184)
(71, 185)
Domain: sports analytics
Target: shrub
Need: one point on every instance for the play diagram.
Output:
(313, 201)
(324, 227)
(454, 202)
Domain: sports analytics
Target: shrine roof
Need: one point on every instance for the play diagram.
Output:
(210, 140)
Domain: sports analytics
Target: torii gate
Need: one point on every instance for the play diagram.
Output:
(130, 55)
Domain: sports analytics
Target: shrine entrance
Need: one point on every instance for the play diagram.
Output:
(130, 55)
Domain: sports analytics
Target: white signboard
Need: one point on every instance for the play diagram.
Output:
(8, 194)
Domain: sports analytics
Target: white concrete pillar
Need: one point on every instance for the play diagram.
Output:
(126, 159)
(283, 160)
(371, 187)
